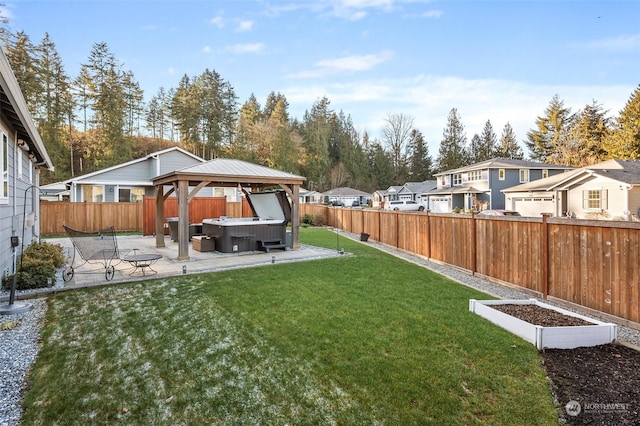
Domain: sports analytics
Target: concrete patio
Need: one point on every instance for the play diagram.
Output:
(93, 274)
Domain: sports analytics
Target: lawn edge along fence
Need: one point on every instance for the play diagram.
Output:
(590, 264)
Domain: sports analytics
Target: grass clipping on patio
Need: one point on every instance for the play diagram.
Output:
(364, 338)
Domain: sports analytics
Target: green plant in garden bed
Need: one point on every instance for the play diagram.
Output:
(37, 268)
(357, 339)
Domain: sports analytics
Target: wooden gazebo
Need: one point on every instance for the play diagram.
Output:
(220, 172)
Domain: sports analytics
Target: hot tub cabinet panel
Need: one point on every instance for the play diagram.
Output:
(243, 234)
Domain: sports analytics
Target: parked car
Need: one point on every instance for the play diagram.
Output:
(498, 213)
(404, 206)
(356, 203)
(336, 203)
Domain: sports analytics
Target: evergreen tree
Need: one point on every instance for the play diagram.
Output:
(452, 154)
(51, 113)
(545, 143)
(21, 54)
(244, 145)
(624, 139)
(474, 149)
(588, 133)
(508, 147)
(381, 166)
(420, 162)
(488, 144)
(316, 131)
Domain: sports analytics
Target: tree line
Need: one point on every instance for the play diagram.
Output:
(99, 118)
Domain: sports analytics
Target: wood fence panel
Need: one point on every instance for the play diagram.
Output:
(89, 216)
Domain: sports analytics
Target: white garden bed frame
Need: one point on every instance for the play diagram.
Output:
(568, 337)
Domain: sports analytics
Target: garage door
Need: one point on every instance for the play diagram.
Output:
(533, 206)
(439, 205)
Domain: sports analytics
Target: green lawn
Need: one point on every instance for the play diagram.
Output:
(364, 338)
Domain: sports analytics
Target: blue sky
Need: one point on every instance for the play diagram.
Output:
(491, 60)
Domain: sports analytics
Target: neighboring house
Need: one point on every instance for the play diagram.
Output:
(347, 195)
(130, 181)
(54, 192)
(607, 190)
(417, 191)
(310, 197)
(479, 186)
(22, 157)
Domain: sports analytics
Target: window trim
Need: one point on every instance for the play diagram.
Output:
(4, 165)
(501, 174)
(456, 179)
(595, 199)
(524, 175)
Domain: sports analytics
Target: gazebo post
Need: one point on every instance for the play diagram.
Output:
(160, 197)
(183, 220)
(295, 217)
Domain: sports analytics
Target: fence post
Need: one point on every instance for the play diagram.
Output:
(428, 235)
(545, 256)
(473, 243)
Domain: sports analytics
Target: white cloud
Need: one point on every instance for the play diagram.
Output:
(622, 43)
(244, 26)
(352, 63)
(171, 71)
(432, 14)
(430, 98)
(246, 48)
(218, 21)
(206, 49)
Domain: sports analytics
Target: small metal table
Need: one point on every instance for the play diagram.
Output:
(142, 261)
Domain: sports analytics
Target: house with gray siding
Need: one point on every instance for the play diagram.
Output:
(130, 181)
(22, 157)
(417, 191)
(607, 191)
(479, 186)
(347, 196)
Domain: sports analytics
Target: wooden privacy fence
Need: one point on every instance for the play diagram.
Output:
(594, 264)
(131, 217)
(89, 216)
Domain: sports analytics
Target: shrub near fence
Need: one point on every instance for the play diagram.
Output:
(594, 264)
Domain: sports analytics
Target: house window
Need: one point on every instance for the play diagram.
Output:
(443, 180)
(594, 199)
(130, 195)
(524, 175)
(93, 193)
(501, 174)
(545, 173)
(474, 175)
(4, 160)
(457, 179)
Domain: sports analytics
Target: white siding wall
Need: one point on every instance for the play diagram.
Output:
(616, 199)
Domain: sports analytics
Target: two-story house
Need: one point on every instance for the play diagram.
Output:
(478, 186)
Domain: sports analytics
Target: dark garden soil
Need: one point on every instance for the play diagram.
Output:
(597, 385)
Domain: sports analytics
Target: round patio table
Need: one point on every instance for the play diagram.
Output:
(142, 261)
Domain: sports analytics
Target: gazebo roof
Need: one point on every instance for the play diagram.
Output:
(229, 172)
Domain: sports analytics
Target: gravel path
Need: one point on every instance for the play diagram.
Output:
(19, 345)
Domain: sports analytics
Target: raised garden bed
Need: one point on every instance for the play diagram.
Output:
(546, 326)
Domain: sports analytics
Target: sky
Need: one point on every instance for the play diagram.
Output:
(501, 61)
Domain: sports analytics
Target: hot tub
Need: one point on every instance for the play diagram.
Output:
(267, 228)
